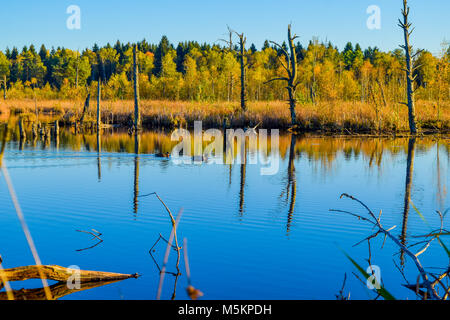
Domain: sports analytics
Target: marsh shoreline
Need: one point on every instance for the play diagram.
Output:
(324, 118)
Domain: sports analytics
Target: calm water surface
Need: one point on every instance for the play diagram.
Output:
(250, 236)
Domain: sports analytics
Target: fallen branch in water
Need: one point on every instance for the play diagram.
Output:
(376, 222)
(58, 273)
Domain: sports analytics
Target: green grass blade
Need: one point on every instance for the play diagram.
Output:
(382, 291)
(420, 214)
(444, 246)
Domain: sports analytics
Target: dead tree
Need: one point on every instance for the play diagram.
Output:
(291, 69)
(4, 86)
(77, 70)
(137, 115)
(86, 107)
(410, 78)
(229, 42)
(243, 64)
(99, 97)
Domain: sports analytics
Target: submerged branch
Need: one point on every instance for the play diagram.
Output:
(372, 219)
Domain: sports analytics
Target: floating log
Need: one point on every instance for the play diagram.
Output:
(58, 273)
(57, 290)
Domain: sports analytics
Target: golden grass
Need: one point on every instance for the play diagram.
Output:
(334, 116)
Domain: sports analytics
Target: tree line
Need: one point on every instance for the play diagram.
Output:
(212, 72)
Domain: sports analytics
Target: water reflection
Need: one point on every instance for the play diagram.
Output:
(291, 183)
(243, 166)
(407, 197)
(136, 174)
(321, 150)
(99, 152)
(441, 187)
(387, 172)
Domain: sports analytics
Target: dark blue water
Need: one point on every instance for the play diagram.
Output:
(249, 236)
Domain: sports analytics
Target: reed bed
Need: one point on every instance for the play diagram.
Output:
(334, 116)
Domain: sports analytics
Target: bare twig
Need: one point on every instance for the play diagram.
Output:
(166, 256)
(97, 235)
(431, 291)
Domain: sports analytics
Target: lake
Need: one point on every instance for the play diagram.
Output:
(250, 236)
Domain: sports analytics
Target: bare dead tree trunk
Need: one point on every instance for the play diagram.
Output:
(137, 114)
(406, 26)
(99, 96)
(230, 76)
(291, 70)
(76, 77)
(4, 87)
(85, 108)
(242, 41)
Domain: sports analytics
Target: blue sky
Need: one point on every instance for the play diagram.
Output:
(25, 22)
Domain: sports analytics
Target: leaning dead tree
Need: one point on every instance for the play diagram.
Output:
(410, 78)
(291, 69)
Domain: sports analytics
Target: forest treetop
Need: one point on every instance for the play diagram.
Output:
(194, 71)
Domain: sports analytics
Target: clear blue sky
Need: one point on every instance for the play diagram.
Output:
(25, 22)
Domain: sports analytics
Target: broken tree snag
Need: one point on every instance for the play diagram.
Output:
(58, 273)
(242, 41)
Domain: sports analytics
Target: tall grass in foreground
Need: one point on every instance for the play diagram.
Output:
(334, 116)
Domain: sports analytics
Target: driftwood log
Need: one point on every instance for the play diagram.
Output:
(58, 273)
(88, 280)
